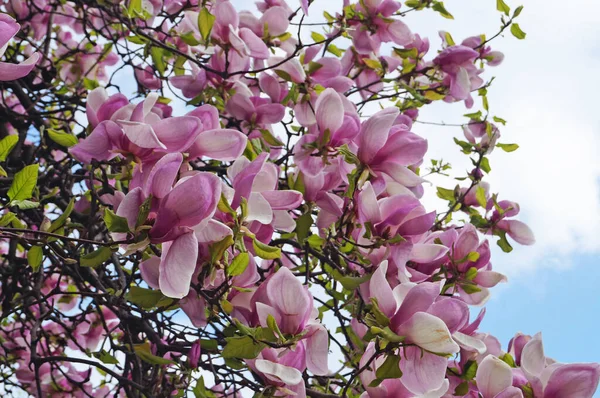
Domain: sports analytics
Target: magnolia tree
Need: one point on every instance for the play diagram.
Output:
(202, 201)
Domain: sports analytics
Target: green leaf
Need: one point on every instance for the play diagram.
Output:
(225, 207)
(502, 7)
(515, 29)
(470, 370)
(25, 204)
(447, 194)
(23, 184)
(471, 273)
(462, 389)
(157, 54)
(509, 360)
(390, 369)
(239, 264)
(303, 224)
(217, 249)
(205, 23)
(466, 147)
(35, 256)
(334, 50)
(243, 347)
(143, 351)
(270, 138)
(485, 165)
(500, 120)
(90, 84)
(7, 219)
(96, 258)
(6, 145)
(144, 211)
(508, 147)
(317, 37)
(475, 115)
(439, 7)
(503, 242)
(517, 11)
(265, 252)
(480, 196)
(62, 219)
(105, 357)
(115, 223)
(349, 282)
(144, 298)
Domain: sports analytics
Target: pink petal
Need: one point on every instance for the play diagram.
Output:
(430, 333)
(419, 298)
(285, 374)
(150, 271)
(16, 71)
(317, 350)
(329, 111)
(290, 298)
(222, 144)
(162, 176)
(178, 133)
(374, 133)
(277, 20)
(177, 265)
(283, 200)
(97, 145)
(573, 380)
(493, 376)
(270, 113)
(520, 232)
(422, 371)
(380, 289)
(368, 207)
(258, 48)
(188, 204)
(142, 135)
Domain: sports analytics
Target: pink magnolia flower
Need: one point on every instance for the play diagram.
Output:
(553, 379)
(256, 181)
(8, 29)
(283, 297)
(147, 78)
(462, 76)
(91, 331)
(388, 149)
(381, 21)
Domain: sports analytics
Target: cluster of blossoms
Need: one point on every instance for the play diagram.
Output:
(269, 226)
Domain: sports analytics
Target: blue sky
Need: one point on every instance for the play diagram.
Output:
(563, 304)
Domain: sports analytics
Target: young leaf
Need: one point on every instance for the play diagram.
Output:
(62, 219)
(243, 347)
(23, 184)
(508, 147)
(480, 196)
(115, 223)
(34, 257)
(61, 138)
(143, 351)
(96, 258)
(502, 7)
(6, 145)
(515, 29)
(144, 298)
(266, 252)
(390, 369)
(239, 264)
(205, 23)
